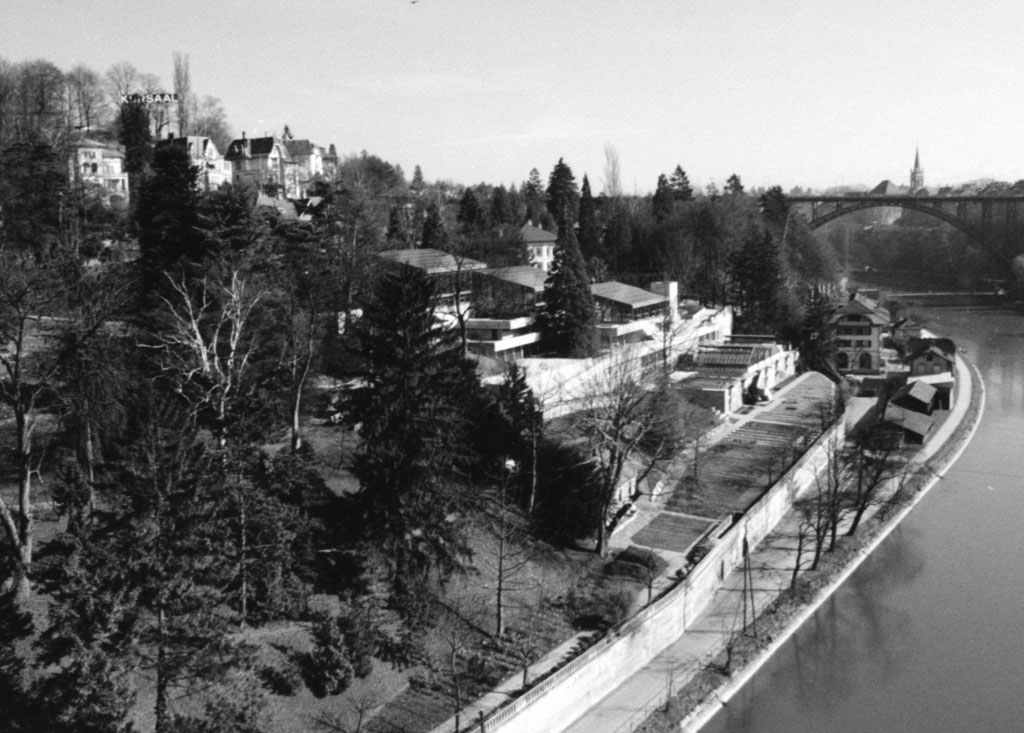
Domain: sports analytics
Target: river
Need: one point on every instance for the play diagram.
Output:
(928, 634)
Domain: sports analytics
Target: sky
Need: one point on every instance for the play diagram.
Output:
(813, 93)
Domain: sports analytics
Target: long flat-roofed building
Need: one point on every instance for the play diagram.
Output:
(452, 276)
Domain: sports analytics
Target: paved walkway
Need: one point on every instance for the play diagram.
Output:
(771, 566)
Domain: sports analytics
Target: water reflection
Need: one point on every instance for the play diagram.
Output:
(925, 636)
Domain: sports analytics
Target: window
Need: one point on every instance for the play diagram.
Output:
(864, 362)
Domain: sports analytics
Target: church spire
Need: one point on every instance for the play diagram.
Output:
(916, 173)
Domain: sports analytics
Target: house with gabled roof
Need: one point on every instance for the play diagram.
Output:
(860, 326)
(930, 355)
(309, 163)
(214, 171)
(540, 244)
(263, 162)
(917, 396)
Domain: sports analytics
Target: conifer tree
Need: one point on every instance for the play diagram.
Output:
(661, 203)
(733, 186)
(680, 184)
(501, 207)
(569, 318)
(562, 197)
(434, 234)
(590, 232)
(412, 452)
(533, 196)
(471, 216)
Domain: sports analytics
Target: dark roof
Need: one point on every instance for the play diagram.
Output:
(433, 261)
(522, 275)
(626, 294)
(535, 235)
(885, 188)
(299, 147)
(917, 347)
(248, 147)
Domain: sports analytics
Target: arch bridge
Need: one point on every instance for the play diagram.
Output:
(975, 215)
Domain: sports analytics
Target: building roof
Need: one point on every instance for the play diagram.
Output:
(734, 355)
(944, 380)
(914, 422)
(629, 295)
(300, 147)
(860, 306)
(249, 147)
(886, 188)
(918, 390)
(525, 276)
(536, 235)
(433, 261)
(943, 347)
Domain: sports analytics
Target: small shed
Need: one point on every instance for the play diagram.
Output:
(913, 426)
(916, 396)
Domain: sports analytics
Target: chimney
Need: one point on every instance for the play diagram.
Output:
(170, 136)
(243, 134)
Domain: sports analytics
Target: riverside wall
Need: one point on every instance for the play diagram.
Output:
(555, 701)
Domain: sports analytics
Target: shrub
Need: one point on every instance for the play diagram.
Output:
(328, 668)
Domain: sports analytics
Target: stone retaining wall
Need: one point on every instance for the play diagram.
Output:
(558, 699)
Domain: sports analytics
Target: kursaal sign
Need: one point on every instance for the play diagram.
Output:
(157, 98)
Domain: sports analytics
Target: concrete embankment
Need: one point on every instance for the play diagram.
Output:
(943, 448)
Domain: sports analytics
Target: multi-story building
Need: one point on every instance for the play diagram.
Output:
(309, 163)
(263, 162)
(860, 326)
(100, 166)
(202, 151)
(540, 244)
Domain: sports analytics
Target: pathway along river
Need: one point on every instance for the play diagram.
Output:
(928, 634)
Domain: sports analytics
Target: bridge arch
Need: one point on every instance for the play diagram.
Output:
(820, 220)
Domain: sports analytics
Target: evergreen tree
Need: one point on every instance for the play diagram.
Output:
(562, 196)
(569, 318)
(501, 207)
(661, 202)
(533, 196)
(412, 452)
(470, 216)
(16, 705)
(33, 184)
(170, 239)
(418, 184)
(680, 184)
(590, 232)
(397, 236)
(434, 234)
(135, 136)
(755, 281)
(733, 186)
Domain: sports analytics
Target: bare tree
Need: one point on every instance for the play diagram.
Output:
(39, 334)
(875, 462)
(86, 96)
(122, 78)
(207, 345)
(627, 420)
(511, 553)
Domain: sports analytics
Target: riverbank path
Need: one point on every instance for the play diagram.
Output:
(622, 710)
